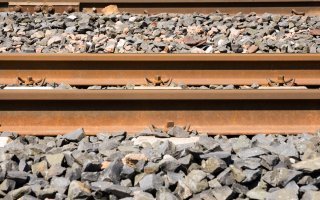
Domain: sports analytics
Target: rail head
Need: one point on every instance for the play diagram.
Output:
(81, 95)
(160, 57)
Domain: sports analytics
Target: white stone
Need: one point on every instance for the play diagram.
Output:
(132, 19)
(28, 88)
(283, 88)
(152, 139)
(72, 17)
(4, 141)
(157, 88)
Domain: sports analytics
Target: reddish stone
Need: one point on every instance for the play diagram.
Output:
(315, 32)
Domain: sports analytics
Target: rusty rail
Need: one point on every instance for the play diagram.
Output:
(122, 69)
(211, 111)
(309, 7)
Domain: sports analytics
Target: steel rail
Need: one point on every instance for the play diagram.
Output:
(309, 7)
(95, 95)
(191, 69)
(215, 112)
(164, 1)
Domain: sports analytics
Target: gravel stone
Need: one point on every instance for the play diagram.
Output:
(115, 32)
(222, 193)
(151, 182)
(7, 185)
(112, 173)
(119, 191)
(18, 177)
(213, 165)
(311, 195)
(196, 181)
(169, 163)
(112, 166)
(251, 152)
(75, 136)
(310, 165)
(55, 159)
(179, 132)
(280, 176)
(78, 190)
(282, 194)
(61, 184)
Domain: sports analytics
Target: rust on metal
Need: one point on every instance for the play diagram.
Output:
(297, 12)
(309, 7)
(281, 81)
(214, 112)
(43, 6)
(29, 81)
(203, 69)
(157, 81)
(113, 95)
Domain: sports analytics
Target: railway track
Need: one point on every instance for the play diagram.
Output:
(48, 112)
(76, 114)
(308, 7)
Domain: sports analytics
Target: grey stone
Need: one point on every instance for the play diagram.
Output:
(75, 136)
(174, 177)
(213, 165)
(242, 142)
(251, 152)
(91, 166)
(309, 187)
(100, 185)
(311, 195)
(54, 40)
(23, 166)
(258, 192)
(310, 165)
(217, 154)
(186, 160)
(251, 175)
(182, 190)
(112, 173)
(165, 194)
(55, 170)
(177, 131)
(151, 182)
(18, 177)
(55, 159)
(126, 183)
(248, 163)
(7, 185)
(196, 181)
(282, 194)
(73, 173)
(208, 142)
(226, 177)
(119, 191)
(222, 193)
(89, 176)
(47, 193)
(78, 190)
(240, 189)
(287, 150)
(169, 163)
(18, 193)
(39, 168)
(61, 184)
(139, 195)
(280, 176)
